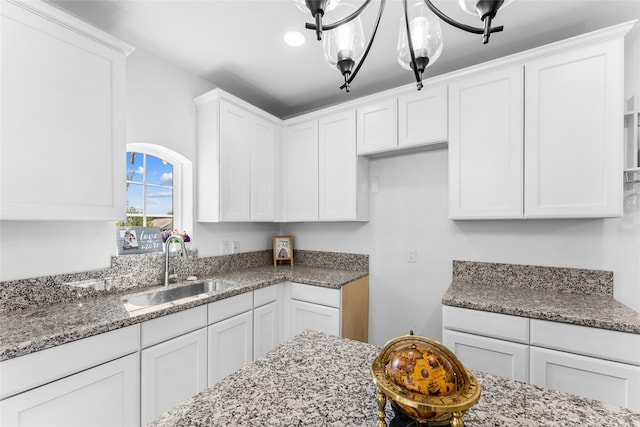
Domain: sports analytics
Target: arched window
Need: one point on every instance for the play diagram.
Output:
(159, 188)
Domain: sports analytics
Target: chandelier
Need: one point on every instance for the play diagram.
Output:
(419, 41)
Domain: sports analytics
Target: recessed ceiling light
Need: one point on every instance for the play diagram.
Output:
(294, 38)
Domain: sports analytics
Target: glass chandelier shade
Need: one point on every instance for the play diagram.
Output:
(307, 6)
(479, 8)
(345, 43)
(426, 37)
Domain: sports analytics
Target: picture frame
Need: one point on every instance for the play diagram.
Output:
(282, 249)
(138, 240)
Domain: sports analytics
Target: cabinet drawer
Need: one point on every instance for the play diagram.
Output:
(229, 307)
(610, 382)
(497, 357)
(501, 326)
(266, 295)
(316, 294)
(173, 325)
(612, 345)
(32, 370)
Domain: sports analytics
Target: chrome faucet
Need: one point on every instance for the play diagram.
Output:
(170, 240)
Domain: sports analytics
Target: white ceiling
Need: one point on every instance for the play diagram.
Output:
(238, 44)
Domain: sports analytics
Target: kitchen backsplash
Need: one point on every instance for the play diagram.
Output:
(147, 270)
(574, 280)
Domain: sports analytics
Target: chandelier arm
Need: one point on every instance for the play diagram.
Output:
(366, 51)
(414, 66)
(329, 27)
(464, 27)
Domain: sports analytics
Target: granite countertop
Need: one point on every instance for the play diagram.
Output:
(597, 311)
(568, 295)
(30, 330)
(321, 380)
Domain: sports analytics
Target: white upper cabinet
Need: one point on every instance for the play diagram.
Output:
(238, 155)
(235, 164)
(63, 112)
(573, 133)
(300, 153)
(555, 152)
(265, 170)
(422, 117)
(343, 186)
(377, 126)
(485, 145)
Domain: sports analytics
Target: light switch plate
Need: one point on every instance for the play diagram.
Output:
(224, 247)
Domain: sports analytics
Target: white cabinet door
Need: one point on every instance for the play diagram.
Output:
(173, 371)
(343, 186)
(573, 133)
(300, 168)
(377, 127)
(63, 110)
(603, 380)
(485, 145)
(266, 328)
(503, 358)
(305, 315)
(107, 395)
(235, 163)
(230, 346)
(422, 117)
(264, 166)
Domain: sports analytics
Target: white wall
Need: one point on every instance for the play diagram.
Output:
(160, 110)
(410, 212)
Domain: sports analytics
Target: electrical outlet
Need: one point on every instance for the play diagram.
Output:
(235, 247)
(224, 247)
(411, 255)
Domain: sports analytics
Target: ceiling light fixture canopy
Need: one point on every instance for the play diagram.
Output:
(419, 42)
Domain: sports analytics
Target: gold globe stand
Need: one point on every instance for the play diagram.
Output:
(425, 408)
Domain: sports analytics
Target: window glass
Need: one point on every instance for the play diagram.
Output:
(149, 191)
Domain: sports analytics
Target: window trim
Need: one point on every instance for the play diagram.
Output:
(182, 181)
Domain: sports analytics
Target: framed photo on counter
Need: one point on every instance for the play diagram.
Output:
(282, 249)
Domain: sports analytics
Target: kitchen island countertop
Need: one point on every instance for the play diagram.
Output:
(316, 379)
(30, 330)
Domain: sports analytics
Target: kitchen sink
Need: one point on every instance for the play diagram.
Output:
(174, 294)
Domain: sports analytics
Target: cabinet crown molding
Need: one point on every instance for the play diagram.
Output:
(65, 19)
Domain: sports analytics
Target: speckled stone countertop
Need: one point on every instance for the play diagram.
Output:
(316, 379)
(30, 330)
(579, 297)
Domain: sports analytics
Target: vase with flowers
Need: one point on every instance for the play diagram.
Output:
(166, 238)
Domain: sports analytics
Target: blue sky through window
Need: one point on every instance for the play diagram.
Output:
(150, 180)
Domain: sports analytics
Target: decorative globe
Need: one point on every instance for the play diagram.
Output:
(421, 370)
(424, 381)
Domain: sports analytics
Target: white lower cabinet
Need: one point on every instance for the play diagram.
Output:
(306, 315)
(268, 322)
(230, 336)
(596, 363)
(610, 382)
(498, 357)
(107, 395)
(172, 372)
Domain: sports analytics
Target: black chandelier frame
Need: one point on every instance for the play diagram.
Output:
(486, 9)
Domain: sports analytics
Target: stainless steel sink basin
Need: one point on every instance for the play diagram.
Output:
(174, 294)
